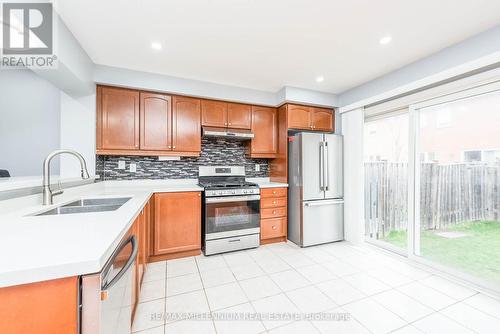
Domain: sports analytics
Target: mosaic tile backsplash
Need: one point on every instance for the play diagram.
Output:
(214, 151)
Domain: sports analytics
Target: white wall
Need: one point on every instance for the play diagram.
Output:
(114, 76)
(352, 129)
(77, 132)
(29, 122)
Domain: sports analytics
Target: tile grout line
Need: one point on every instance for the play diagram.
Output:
(205, 293)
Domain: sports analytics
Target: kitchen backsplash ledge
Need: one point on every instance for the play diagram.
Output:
(214, 151)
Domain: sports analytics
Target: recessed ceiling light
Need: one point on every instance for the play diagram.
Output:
(385, 40)
(320, 79)
(156, 46)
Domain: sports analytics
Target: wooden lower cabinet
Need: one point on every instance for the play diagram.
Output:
(177, 225)
(273, 215)
(42, 307)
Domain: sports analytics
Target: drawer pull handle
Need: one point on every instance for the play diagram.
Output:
(234, 240)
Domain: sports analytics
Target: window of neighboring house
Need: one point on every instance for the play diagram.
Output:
(427, 156)
(443, 118)
(491, 156)
(472, 156)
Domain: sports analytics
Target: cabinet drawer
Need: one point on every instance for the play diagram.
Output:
(272, 228)
(272, 202)
(273, 192)
(273, 213)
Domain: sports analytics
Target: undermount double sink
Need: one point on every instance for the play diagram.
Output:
(87, 205)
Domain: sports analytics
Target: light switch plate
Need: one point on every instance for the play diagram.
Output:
(257, 167)
(121, 164)
(133, 168)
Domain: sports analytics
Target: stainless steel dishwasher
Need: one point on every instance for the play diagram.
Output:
(107, 296)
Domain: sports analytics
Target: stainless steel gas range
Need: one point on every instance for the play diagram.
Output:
(231, 210)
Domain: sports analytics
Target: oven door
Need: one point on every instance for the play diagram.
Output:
(226, 215)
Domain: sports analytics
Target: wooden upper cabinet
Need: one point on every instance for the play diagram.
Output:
(239, 116)
(156, 121)
(265, 129)
(299, 117)
(213, 113)
(186, 130)
(310, 118)
(177, 226)
(117, 119)
(322, 119)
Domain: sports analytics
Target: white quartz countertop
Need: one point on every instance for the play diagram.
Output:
(38, 248)
(265, 182)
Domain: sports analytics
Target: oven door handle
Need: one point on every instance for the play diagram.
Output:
(232, 199)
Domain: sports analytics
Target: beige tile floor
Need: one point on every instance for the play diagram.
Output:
(381, 294)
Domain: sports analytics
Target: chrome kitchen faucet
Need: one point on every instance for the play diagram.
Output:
(48, 194)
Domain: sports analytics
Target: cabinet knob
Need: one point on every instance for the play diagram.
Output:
(274, 212)
(169, 146)
(173, 146)
(274, 192)
(274, 227)
(225, 123)
(229, 123)
(274, 202)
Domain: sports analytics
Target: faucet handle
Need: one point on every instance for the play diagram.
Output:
(58, 191)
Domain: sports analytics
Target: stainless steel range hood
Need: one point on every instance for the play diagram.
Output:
(227, 133)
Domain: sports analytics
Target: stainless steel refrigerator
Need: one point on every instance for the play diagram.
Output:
(316, 191)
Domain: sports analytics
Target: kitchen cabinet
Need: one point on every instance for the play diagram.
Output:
(239, 116)
(310, 118)
(41, 307)
(322, 119)
(214, 113)
(186, 130)
(130, 122)
(299, 117)
(177, 225)
(226, 115)
(156, 122)
(117, 119)
(273, 215)
(265, 130)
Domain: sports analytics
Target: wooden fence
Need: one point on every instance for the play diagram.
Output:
(450, 194)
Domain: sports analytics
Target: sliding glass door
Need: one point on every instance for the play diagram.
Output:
(386, 180)
(457, 192)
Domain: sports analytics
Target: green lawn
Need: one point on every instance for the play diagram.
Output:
(478, 253)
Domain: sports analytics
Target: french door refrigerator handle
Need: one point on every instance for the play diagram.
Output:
(326, 168)
(321, 166)
(322, 202)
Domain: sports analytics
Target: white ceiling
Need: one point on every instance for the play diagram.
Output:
(268, 44)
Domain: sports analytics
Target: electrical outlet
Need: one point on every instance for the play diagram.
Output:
(257, 167)
(121, 164)
(133, 168)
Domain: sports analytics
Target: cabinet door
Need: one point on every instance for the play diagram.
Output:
(299, 117)
(186, 128)
(265, 129)
(177, 225)
(118, 119)
(156, 122)
(322, 119)
(213, 113)
(239, 116)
